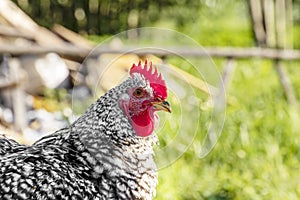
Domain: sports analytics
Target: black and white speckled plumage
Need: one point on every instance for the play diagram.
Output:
(8, 146)
(99, 156)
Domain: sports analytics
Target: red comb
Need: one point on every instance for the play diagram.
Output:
(155, 78)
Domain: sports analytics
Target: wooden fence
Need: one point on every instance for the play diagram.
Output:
(79, 54)
(71, 46)
(231, 54)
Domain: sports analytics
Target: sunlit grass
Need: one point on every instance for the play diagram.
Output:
(257, 155)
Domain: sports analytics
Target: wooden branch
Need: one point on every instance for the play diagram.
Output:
(15, 16)
(7, 84)
(242, 53)
(79, 54)
(12, 32)
(18, 19)
(72, 37)
(226, 52)
(68, 51)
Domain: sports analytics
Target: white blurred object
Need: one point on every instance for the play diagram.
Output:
(52, 70)
(6, 114)
(44, 71)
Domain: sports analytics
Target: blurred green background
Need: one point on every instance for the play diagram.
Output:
(258, 153)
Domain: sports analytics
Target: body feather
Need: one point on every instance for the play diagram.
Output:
(99, 156)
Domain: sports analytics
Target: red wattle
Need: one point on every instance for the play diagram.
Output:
(143, 124)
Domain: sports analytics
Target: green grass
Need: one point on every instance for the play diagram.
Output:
(258, 153)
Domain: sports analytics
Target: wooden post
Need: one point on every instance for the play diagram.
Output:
(228, 71)
(286, 83)
(257, 21)
(289, 24)
(282, 42)
(278, 23)
(18, 95)
(269, 16)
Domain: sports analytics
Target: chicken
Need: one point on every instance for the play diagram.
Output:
(105, 154)
(8, 146)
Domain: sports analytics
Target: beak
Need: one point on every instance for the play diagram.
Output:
(162, 105)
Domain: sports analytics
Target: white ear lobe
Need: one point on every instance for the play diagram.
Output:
(124, 97)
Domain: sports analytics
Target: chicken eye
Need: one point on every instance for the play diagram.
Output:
(139, 92)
